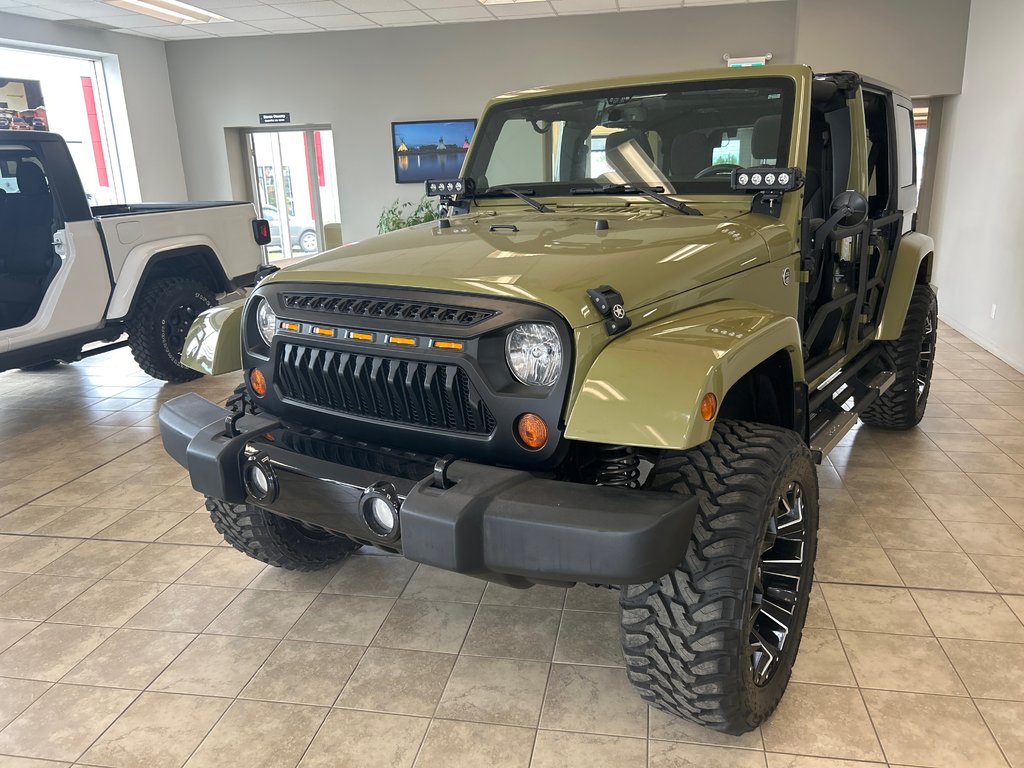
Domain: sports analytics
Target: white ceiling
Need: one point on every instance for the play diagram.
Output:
(268, 17)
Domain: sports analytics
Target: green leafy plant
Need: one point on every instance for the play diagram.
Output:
(401, 215)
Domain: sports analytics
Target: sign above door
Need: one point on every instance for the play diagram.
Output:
(273, 118)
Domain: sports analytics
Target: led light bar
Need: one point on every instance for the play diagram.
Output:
(767, 179)
(173, 11)
(448, 187)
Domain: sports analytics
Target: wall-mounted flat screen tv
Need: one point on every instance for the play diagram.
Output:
(430, 149)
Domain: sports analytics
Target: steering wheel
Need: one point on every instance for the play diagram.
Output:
(718, 170)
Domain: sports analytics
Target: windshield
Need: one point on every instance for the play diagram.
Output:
(684, 137)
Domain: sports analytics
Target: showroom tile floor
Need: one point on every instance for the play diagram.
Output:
(130, 636)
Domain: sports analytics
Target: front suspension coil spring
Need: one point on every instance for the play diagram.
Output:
(618, 465)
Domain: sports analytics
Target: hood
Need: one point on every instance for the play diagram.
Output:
(552, 258)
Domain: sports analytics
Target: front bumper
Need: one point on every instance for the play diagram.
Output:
(500, 524)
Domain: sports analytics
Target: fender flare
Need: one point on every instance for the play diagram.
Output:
(645, 388)
(214, 342)
(143, 257)
(914, 248)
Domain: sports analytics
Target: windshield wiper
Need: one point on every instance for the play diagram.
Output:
(523, 195)
(631, 189)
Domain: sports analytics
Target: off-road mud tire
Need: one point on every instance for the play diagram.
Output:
(154, 344)
(686, 637)
(276, 540)
(903, 406)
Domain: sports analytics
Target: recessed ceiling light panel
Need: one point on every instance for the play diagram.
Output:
(168, 10)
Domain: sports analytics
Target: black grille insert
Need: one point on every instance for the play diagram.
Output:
(405, 391)
(390, 309)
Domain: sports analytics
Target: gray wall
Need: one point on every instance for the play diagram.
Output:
(916, 45)
(360, 81)
(147, 94)
(976, 207)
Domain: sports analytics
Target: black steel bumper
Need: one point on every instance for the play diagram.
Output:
(500, 524)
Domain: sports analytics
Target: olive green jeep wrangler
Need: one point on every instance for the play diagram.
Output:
(651, 305)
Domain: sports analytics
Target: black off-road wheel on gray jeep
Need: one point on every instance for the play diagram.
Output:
(276, 540)
(159, 324)
(714, 641)
(912, 356)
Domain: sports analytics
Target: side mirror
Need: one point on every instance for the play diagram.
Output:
(853, 206)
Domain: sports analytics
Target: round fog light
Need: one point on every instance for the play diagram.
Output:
(260, 480)
(379, 506)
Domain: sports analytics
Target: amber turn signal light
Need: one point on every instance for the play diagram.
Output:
(709, 406)
(258, 382)
(532, 431)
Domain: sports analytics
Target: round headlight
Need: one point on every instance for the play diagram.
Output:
(266, 321)
(534, 354)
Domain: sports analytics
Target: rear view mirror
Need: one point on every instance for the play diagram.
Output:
(849, 209)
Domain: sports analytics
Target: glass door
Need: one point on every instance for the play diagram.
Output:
(293, 177)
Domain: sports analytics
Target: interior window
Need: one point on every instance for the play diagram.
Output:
(877, 119)
(905, 139)
(28, 221)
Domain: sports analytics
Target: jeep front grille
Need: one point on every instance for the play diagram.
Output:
(425, 394)
(362, 306)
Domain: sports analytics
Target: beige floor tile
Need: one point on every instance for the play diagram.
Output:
(194, 529)
(589, 638)
(17, 695)
(283, 580)
(988, 539)
(557, 749)
(818, 616)
(937, 731)
(874, 609)
(223, 567)
(986, 463)
(12, 630)
(341, 619)
(435, 584)
(938, 570)
(990, 670)
(159, 562)
(966, 509)
(1006, 574)
(142, 526)
(82, 521)
(30, 553)
(956, 482)
(256, 613)
(534, 597)
(901, 663)
(304, 673)
(82, 712)
(1014, 508)
(92, 559)
(419, 625)
(592, 700)
(36, 598)
(846, 529)
(777, 760)
(130, 658)
(371, 575)
(285, 731)
(822, 659)
(176, 499)
(475, 745)
(49, 651)
(346, 732)
(584, 597)
(1016, 603)
(823, 721)
(401, 682)
(214, 666)
(906, 505)
(670, 754)
(159, 730)
(964, 443)
(1004, 718)
(969, 616)
(108, 603)
(489, 690)
(9, 580)
(857, 565)
(513, 632)
(29, 518)
(183, 608)
(925, 535)
(1001, 485)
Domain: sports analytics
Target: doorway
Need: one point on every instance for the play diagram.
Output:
(295, 187)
